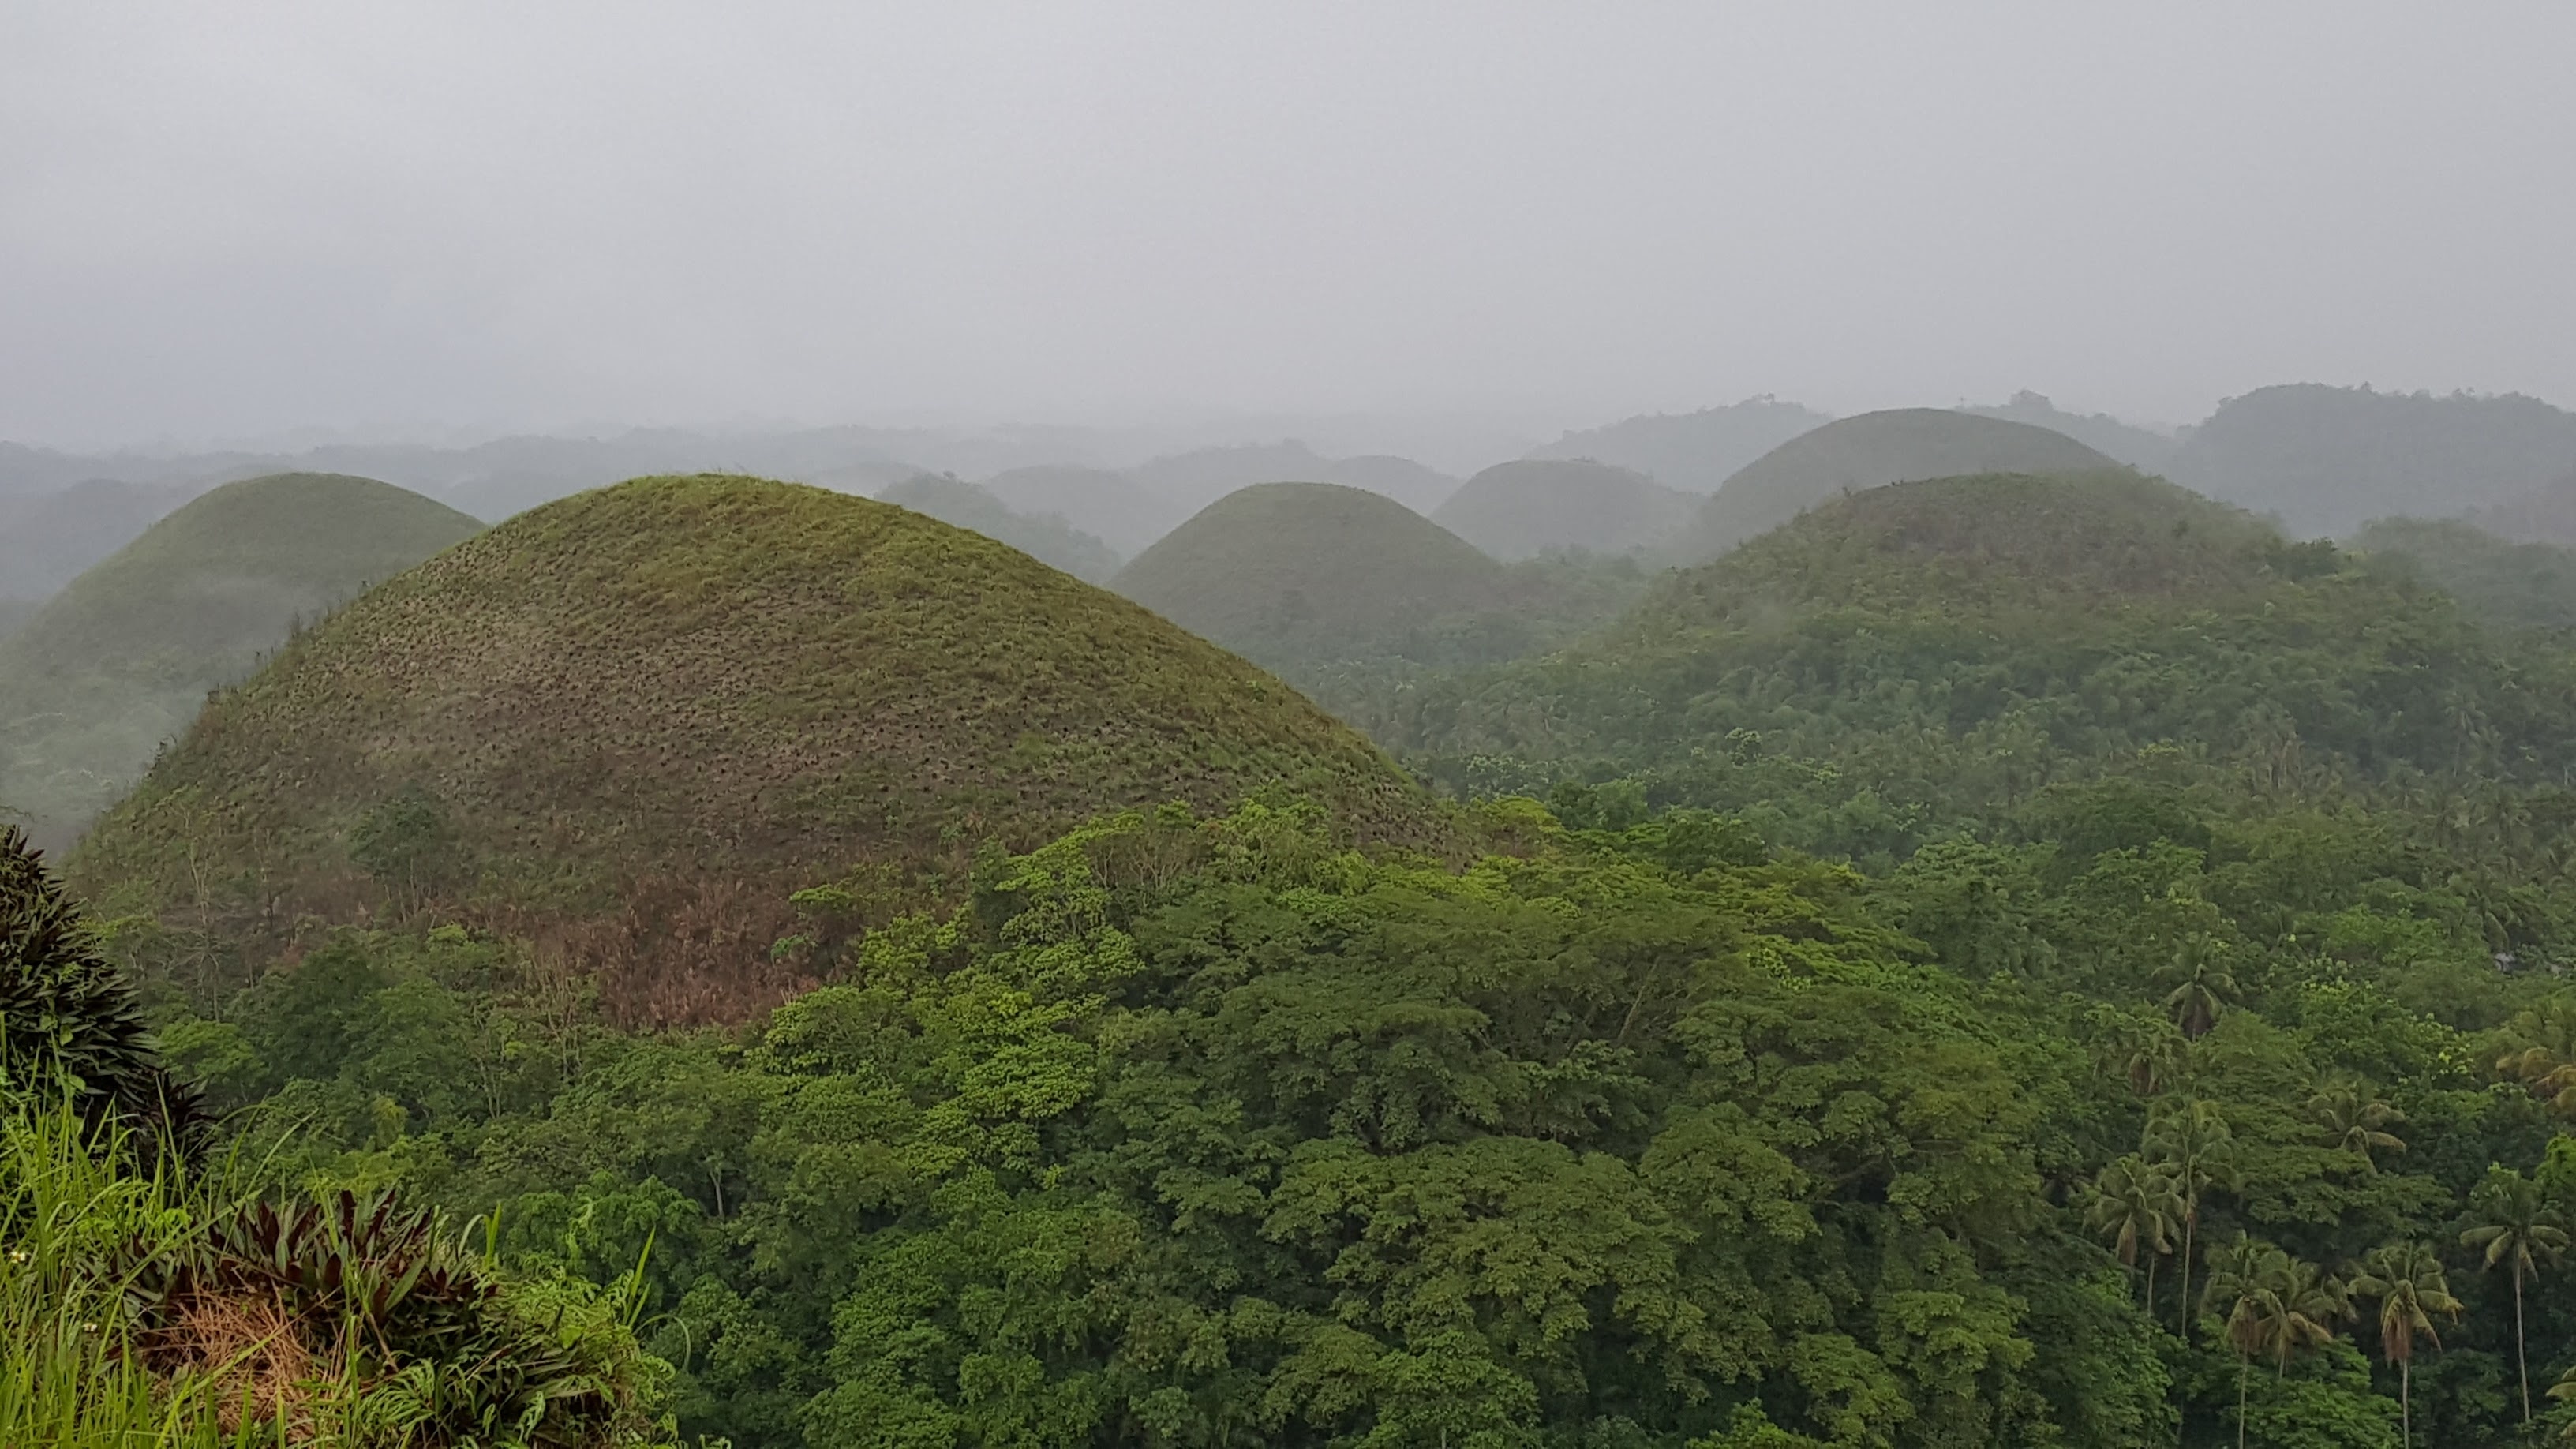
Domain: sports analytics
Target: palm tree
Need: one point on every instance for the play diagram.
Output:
(2355, 1121)
(2203, 984)
(2189, 1144)
(2565, 1388)
(2276, 1305)
(2540, 1050)
(2517, 1230)
(2234, 1272)
(2135, 1205)
(2408, 1281)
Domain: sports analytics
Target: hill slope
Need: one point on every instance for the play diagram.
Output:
(2327, 458)
(1693, 452)
(1870, 451)
(1945, 649)
(653, 709)
(1522, 509)
(46, 539)
(1046, 537)
(1112, 507)
(122, 658)
(2510, 585)
(1291, 572)
(2141, 448)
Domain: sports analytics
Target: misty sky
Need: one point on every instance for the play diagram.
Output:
(225, 220)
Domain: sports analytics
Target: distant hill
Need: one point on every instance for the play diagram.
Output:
(1417, 487)
(1201, 476)
(14, 613)
(628, 723)
(1523, 509)
(1284, 573)
(1045, 537)
(2546, 514)
(2328, 458)
(2512, 585)
(1948, 650)
(122, 659)
(1693, 452)
(1871, 451)
(2141, 448)
(46, 539)
(1112, 507)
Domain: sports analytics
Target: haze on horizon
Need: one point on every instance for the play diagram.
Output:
(270, 217)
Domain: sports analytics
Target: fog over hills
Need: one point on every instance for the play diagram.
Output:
(1693, 452)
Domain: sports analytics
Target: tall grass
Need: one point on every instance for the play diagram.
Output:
(78, 1216)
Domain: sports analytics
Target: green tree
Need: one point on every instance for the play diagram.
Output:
(2517, 1231)
(2540, 1051)
(2191, 1144)
(2277, 1306)
(2411, 1289)
(2135, 1205)
(2203, 985)
(2355, 1121)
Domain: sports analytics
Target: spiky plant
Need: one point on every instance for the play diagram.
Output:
(70, 1026)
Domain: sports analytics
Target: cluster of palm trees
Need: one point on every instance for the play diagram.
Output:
(2147, 1205)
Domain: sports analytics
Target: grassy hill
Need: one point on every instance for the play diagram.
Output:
(2510, 585)
(1869, 451)
(122, 659)
(1046, 537)
(2328, 458)
(46, 539)
(1959, 644)
(1287, 573)
(1694, 452)
(635, 718)
(1526, 508)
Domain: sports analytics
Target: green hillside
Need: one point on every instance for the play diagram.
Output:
(1287, 573)
(1046, 537)
(121, 659)
(1869, 451)
(655, 708)
(2328, 458)
(2511, 585)
(2546, 514)
(1530, 507)
(1956, 644)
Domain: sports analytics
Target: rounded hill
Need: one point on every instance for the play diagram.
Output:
(123, 656)
(1533, 506)
(654, 708)
(1871, 451)
(1046, 537)
(1287, 572)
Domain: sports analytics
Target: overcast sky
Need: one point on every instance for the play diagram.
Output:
(228, 220)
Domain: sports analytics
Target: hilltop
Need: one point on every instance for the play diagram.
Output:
(1692, 452)
(2141, 448)
(1526, 508)
(635, 719)
(1871, 451)
(1295, 572)
(1046, 537)
(122, 658)
(2327, 458)
(1953, 645)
